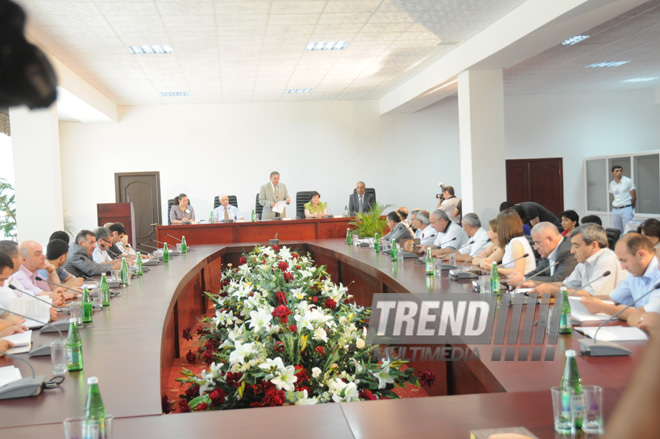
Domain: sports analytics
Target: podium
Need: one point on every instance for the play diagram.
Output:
(118, 213)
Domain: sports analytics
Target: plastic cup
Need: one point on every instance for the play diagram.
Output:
(58, 357)
(75, 312)
(593, 409)
(76, 428)
(561, 410)
(484, 284)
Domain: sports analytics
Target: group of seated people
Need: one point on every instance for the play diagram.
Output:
(571, 254)
(56, 275)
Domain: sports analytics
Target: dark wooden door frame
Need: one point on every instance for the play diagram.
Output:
(149, 174)
(537, 188)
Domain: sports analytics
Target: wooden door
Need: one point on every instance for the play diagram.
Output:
(539, 180)
(143, 190)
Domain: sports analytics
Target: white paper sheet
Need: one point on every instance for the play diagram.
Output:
(614, 333)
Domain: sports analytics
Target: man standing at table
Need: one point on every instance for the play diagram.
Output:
(270, 194)
(624, 197)
(360, 201)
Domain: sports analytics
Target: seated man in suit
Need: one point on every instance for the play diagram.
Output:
(80, 263)
(226, 211)
(360, 201)
(270, 194)
(636, 255)
(589, 245)
(557, 262)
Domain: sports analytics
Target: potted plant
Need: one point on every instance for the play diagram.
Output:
(7, 209)
(367, 224)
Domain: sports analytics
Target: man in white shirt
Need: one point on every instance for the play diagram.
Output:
(425, 231)
(624, 197)
(589, 245)
(226, 211)
(450, 236)
(100, 254)
(478, 238)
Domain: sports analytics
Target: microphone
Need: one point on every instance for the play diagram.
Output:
(57, 285)
(150, 246)
(511, 262)
(447, 242)
(537, 274)
(607, 273)
(13, 287)
(116, 255)
(173, 252)
(30, 386)
(171, 236)
(483, 245)
(594, 348)
(43, 349)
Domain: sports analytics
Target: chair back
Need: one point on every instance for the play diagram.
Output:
(258, 208)
(232, 200)
(302, 198)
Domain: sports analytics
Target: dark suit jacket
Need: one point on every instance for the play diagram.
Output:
(353, 202)
(80, 263)
(567, 263)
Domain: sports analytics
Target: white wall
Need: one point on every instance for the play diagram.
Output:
(575, 126)
(205, 150)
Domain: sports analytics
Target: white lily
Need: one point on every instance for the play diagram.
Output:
(285, 378)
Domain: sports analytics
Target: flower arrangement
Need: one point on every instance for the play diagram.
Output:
(283, 333)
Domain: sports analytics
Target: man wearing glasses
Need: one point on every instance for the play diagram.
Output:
(100, 254)
(80, 263)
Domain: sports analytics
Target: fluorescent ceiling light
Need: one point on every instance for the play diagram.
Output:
(330, 45)
(574, 40)
(298, 90)
(607, 64)
(148, 50)
(647, 79)
(170, 94)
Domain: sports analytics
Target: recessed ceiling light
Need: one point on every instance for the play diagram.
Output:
(149, 50)
(298, 90)
(170, 94)
(330, 45)
(647, 79)
(607, 64)
(574, 40)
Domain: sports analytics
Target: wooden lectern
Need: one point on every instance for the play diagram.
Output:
(118, 213)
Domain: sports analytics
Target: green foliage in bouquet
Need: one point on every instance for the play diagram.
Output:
(367, 224)
(283, 333)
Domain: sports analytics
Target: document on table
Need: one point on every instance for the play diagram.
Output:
(279, 206)
(22, 342)
(9, 374)
(614, 333)
(31, 308)
(580, 313)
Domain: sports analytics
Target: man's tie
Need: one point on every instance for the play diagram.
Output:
(226, 213)
(361, 205)
(277, 192)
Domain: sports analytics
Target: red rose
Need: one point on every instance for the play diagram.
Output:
(315, 299)
(232, 378)
(282, 265)
(190, 357)
(273, 398)
(201, 406)
(186, 334)
(281, 297)
(192, 391)
(276, 248)
(183, 406)
(320, 350)
(293, 328)
(288, 277)
(279, 346)
(282, 312)
(329, 303)
(294, 255)
(242, 261)
(207, 357)
(217, 396)
(366, 394)
(427, 378)
(165, 404)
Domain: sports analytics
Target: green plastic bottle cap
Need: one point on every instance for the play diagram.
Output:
(92, 380)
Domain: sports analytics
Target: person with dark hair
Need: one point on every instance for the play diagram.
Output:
(360, 201)
(182, 212)
(315, 208)
(119, 248)
(80, 263)
(57, 252)
(504, 205)
(636, 255)
(651, 229)
(527, 227)
(623, 197)
(270, 194)
(569, 220)
(595, 219)
(60, 235)
(450, 204)
(398, 229)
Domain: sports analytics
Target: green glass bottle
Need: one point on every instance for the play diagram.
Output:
(565, 319)
(429, 262)
(376, 243)
(74, 356)
(495, 280)
(87, 307)
(572, 396)
(348, 237)
(94, 422)
(211, 218)
(138, 265)
(184, 246)
(253, 217)
(166, 253)
(105, 291)
(346, 211)
(395, 254)
(124, 272)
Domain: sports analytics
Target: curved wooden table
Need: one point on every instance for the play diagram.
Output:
(131, 344)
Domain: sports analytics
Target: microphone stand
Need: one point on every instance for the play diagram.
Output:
(43, 349)
(30, 386)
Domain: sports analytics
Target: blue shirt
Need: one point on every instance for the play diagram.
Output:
(634, 287)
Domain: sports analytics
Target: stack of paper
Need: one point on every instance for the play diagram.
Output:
(22, 342)
(580, 313)
(614, 333)
(32, 308)
(9, 374)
